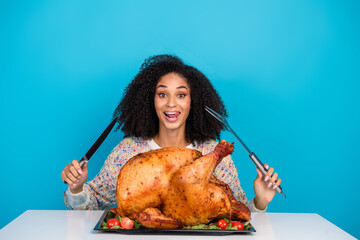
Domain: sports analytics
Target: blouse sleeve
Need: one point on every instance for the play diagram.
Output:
(227, 172)
(99, 193)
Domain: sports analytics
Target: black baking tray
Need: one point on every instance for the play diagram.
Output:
(144, 231)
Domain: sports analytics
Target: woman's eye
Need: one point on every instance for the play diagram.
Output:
(162, 95)
(181, 95)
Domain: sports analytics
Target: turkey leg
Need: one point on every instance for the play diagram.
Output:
(191, 198)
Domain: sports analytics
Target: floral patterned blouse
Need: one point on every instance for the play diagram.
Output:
(99, 193)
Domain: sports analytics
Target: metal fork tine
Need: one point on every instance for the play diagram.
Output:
(217, 116)
(212, 111)
(227, 126)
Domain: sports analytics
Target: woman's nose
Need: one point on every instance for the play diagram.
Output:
(171, 102)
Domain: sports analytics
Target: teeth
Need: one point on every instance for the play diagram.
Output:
(170, 112)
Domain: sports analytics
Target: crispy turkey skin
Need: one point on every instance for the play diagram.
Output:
(175, 187)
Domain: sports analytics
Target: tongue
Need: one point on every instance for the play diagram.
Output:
(173, 115)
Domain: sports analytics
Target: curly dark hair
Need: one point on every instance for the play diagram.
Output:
(137, 110)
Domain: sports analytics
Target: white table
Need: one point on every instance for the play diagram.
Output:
(66, 224)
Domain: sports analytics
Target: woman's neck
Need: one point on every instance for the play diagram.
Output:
(171, 139)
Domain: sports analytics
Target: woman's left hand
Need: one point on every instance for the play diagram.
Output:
(264, 187)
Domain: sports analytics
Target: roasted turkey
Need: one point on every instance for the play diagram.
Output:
(174, 187)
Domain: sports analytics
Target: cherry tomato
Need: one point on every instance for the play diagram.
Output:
(238, 225)
(222, 224)
(112, 222)
(127, 223)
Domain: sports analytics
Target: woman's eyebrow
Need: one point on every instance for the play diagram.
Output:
(181, 87)
(163, 86)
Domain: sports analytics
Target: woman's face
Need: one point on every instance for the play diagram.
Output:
(172, 101)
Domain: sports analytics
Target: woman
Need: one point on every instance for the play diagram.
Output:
(163, 107)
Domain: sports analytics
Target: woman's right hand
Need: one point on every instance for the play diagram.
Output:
(75, 176)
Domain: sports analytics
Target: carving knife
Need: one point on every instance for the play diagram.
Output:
(97, 143)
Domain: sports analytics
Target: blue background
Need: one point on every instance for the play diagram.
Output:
(288, 72)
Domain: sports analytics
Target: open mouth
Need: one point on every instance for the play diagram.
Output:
(172, 116)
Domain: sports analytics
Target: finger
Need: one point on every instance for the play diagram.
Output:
(65, 172)
(260, 175)
(274, 177)
(76, 165)
(277, 183)
(266, 166)
(272, 180)
(71, 177)
(68, 181)
(74, 172)
(63, 176)
(269, 173)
